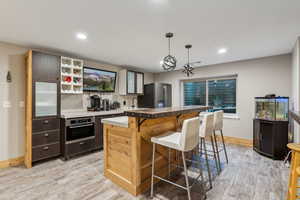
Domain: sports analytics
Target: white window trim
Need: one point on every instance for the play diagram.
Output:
(234, 116)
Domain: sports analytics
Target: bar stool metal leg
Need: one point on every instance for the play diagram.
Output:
(215, 157)
(169, 160)
(152, 177)
(207, 163)
(217, 150)
(224, 146)
(201, 147)
(186, 176)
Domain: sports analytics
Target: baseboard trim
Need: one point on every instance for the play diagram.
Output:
(11, 162)
(237, 141)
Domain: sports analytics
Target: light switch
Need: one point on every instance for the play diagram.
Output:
(6, 104)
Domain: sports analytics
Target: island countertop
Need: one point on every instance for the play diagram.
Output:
(152, 113)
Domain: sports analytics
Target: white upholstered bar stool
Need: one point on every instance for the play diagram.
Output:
(206, 130)
(218, 126)
(183, 141)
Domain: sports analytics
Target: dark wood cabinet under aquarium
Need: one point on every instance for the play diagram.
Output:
(270, 126)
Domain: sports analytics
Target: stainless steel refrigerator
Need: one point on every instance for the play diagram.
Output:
(156, 95)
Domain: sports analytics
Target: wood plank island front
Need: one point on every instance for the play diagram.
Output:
(128, 147)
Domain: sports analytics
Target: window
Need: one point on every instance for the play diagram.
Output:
(195, 93)
(218, 93)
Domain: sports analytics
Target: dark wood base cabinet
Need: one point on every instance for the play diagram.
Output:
(90, 143)
(270, 138)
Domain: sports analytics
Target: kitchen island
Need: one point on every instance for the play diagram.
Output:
(128, 147)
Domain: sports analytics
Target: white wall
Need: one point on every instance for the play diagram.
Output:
(256, 77)
(12, 118)
(295, 96)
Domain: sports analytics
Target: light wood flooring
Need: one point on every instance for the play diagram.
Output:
(248, 176)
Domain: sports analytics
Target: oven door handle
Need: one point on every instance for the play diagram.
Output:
(81, 126)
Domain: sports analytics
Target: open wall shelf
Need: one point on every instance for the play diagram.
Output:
(71, 76)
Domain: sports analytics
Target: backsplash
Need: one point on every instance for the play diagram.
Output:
(81, 102)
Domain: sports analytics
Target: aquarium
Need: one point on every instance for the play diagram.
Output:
(276, 108)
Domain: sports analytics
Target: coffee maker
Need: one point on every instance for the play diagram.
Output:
(95, 103)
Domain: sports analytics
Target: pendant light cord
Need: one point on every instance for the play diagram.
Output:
(188, 57)
(169, 47)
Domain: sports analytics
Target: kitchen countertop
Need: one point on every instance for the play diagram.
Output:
(164, 112)
(117, 121)
(76, 114)
(149, 113)
(84, 113)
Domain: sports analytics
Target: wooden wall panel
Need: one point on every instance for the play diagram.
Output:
(28, 111)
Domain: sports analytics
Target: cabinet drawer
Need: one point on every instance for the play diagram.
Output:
(46, 151)
(45, 124)
(45, 138)
(80, 147)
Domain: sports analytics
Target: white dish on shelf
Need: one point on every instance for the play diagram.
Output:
(66, 65)
(77, 76)
(76, 67)
(66, 83)
(66, 74)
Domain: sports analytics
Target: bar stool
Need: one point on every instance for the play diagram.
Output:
(183, 141)
(294, 172)
(218, 126)
(206, 130)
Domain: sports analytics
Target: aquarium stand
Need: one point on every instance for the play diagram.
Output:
(270, 138)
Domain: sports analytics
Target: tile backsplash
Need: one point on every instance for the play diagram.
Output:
(81, 102)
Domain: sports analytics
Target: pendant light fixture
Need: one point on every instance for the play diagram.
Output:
(188, 69)
(169, 62)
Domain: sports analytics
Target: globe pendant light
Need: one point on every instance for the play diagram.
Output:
(169, 62)
(188, 69)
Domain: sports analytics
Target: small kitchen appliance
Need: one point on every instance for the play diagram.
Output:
(95, 103)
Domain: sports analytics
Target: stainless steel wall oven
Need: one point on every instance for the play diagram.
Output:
(80, 128)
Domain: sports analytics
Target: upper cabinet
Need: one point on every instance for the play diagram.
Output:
(71, 76)
(46, 103)
(45, 67)
(45, 84)
(131, 82)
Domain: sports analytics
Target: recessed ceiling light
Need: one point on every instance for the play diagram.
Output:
(222, 51)
(81, 36)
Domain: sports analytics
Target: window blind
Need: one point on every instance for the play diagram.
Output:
(218, 93)
(195, 93)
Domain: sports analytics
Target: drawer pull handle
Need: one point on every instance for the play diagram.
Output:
(46, 122)
(81, 143)
(46, 135)
(46, 148)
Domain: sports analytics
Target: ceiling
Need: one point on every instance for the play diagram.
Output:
(131, 32)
